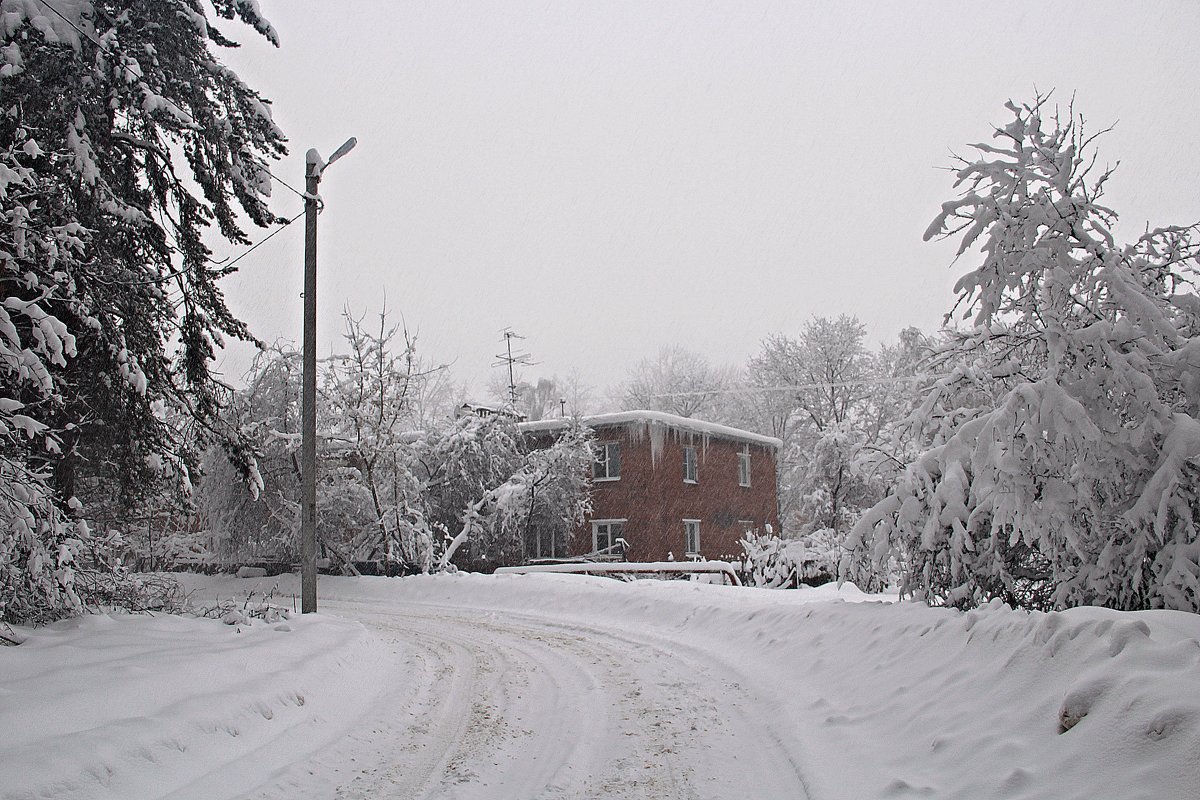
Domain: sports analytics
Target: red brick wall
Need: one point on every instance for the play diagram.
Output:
(654, 500)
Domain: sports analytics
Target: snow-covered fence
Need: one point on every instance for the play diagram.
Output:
(722, 568)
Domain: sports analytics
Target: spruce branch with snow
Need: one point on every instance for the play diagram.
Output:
(1064, 449)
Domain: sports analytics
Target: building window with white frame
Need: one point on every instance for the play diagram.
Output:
(607, 534)
(744, 467)
(607, 466)
(691, 536)
(689, 465)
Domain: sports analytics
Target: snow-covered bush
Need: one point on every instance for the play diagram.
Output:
(1064, 465)
(117, 588)
(774, 563)
(39, 548)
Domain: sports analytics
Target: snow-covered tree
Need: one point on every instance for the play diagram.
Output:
(122, 139)
(833, 402)
(370, 392)
(554, 487)
(822, 419)
(458, 465)
(1064, 465)
(259, 521)
(534, 511)
(545, 398)
(678, 381)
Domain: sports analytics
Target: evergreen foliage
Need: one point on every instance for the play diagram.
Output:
(123, 139)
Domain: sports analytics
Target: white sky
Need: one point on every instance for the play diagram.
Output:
(610, 177)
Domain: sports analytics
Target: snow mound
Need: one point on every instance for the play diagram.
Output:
(128, 706)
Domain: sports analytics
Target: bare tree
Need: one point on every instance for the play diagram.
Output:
(678, 381)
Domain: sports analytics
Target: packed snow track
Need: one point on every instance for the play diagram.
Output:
(505, 705)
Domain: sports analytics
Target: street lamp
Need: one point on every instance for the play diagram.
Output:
(314, 167)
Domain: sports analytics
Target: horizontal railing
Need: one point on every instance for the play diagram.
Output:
(632, 567)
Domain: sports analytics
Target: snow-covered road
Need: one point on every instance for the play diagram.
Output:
(517, 687)
(509, 705)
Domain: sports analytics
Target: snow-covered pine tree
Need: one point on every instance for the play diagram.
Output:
(1065, 458)
(122, 139)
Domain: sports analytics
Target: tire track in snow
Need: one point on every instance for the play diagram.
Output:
(783, 758)
(474, 742)
(542, 708)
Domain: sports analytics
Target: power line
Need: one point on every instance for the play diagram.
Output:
(225, 268)
(796, 387)
(261, 241)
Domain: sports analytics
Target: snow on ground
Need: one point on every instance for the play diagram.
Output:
(129, 706)
(525, 686)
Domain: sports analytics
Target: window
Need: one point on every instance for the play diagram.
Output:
(747, 527)
(689, 465)
(607, 466)
(542, 543)
(744, 467)
(606, 533)
(691, 536)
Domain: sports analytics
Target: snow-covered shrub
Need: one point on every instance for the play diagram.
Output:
(244, 612)
(39, 547)
(117, 588)
(774, 563)
(1064, 465)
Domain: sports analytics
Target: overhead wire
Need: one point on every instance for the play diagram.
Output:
(262, 241)
(796, 387)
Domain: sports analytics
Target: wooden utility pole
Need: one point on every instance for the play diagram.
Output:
(314, 167)
(308, 393)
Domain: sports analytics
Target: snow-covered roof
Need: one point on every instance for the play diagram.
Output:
(655, 419)
(483, 410)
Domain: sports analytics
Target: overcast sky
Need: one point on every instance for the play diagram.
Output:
(610, 177)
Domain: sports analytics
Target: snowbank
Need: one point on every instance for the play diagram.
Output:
(127, 706)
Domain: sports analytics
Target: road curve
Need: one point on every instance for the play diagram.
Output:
(502, 705)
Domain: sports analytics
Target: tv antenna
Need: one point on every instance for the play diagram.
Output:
(511, 359)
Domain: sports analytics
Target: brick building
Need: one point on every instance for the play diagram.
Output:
(672, 486)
